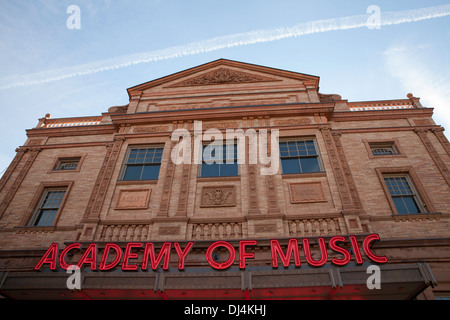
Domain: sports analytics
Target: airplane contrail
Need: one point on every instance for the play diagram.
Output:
(217, 43)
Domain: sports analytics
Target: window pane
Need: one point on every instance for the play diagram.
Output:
(411, 205)
(290, 165)
(398, 186)
(297, 148)
(400, 205)
(132, 156)
(150, 172)
(53, 199)
(292, 148)
(140, 157)
(46, 217)
(311, 148)
(406, 205)
(283, 150)
(145, 155)
(210, 170)
(213, 152)
(132, 173)
(69, 165)
(382, 151)
(310, 164)
(230, 152)
(379, 149)
(229, 170)
(157, 156)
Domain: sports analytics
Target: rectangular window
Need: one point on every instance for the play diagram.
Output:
(299, 156)
(383, 149)
(48, 207)
(403, 194)
(143, 163)
(67, 163)
(219, 161)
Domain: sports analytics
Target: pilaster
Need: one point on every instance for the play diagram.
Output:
(32, 154)
(422, 133)
(351, 204)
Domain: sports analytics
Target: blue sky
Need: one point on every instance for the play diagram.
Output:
(45, 67)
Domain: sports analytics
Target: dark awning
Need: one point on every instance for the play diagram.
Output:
(398, 281)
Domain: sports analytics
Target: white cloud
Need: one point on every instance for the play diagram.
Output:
(240, 39)
(416, 75)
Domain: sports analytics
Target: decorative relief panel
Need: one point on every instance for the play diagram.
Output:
(336, 160)
(169, 231)
(292, 122)
(167, 186)
(218, 196)
(265, 228)
(133, 199)
(221, 76)
(306, 192)
(220, 125)
(150, 129)
(98, 194)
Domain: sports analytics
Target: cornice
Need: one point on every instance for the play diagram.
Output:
(292, 109)
(386, 129)
(370, 115)
(72, 131)
(412, 242)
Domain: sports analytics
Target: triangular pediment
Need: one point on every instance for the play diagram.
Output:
(224, 72)
(222, 76)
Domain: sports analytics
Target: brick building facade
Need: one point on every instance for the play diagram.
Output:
(349, 169)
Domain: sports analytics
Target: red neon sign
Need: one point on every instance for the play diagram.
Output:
(285, 258)
(226, 264)
(103, 266)
(132, 258)
(333, 246)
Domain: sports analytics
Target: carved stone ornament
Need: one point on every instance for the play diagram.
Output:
(306, 192)
(118, 109)
(219, 196)
(265, 228)
(221, 76)
(292, 122)
(150, 129)
(329, 97)
(133, 199)
(169, 231)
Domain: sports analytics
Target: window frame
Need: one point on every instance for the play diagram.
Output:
(386, 146)
(423, 201)
(64, 161)
(31, 214)
(316, 148)
(393, 143)
(56, 167)
(125, 163)
(38, 212)
(413, 194)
